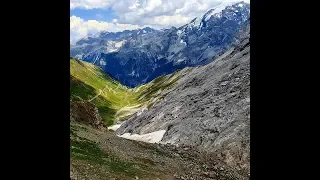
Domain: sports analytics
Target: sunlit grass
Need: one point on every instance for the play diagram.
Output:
(114, 100)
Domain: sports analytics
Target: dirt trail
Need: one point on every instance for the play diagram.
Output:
(126, 99)
(100, 91)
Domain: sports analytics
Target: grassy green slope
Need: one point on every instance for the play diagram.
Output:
(89, 82)
(114, 100)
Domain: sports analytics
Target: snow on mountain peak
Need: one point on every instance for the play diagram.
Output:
(114, 46)
(218, 9)
(196, 22)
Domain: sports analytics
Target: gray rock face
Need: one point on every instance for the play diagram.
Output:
(208, 108)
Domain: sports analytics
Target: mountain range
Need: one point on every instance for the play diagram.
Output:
(136, 57)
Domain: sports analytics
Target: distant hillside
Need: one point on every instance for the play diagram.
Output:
(114, 100)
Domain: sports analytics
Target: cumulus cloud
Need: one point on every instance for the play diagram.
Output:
(143, 12)
(162, 13)
(80, 28)
(170, 20)
(140, 13)
(90, 4)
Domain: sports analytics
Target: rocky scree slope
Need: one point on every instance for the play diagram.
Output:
(208, 108)
(138, 56)
(99, 155)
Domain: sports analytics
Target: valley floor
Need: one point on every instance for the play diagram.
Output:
(99, 155)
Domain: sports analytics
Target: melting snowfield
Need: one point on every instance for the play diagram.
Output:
(114, 127)
(153, 137)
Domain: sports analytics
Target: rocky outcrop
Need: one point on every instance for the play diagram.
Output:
(87, 113)
(208, 108)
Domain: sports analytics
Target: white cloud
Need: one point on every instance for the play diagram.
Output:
(80, 28)
(170, 20)
(90, 4)
(140, 13)
(162, 13)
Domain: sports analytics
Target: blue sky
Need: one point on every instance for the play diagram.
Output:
(93, 16)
